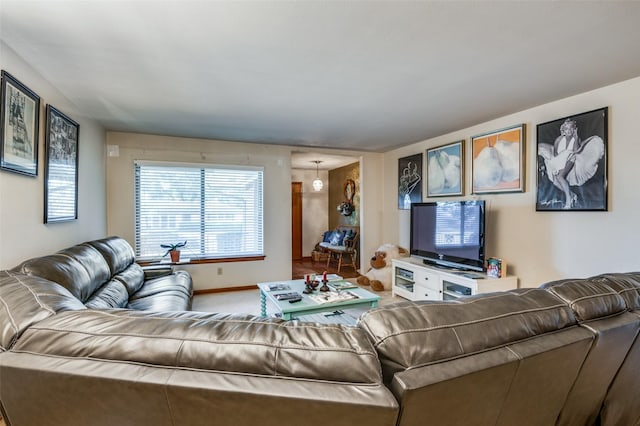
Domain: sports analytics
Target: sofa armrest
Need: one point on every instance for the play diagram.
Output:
(155, 271)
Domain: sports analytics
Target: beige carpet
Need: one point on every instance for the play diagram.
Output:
(248, 301)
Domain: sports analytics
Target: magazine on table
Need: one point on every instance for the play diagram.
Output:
(279, 287)
(341, 285)
(332, 297)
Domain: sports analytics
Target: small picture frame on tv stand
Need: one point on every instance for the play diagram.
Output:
(496, 267)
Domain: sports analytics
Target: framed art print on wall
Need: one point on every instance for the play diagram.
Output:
(19, 119)
(409, 181)
(61, 167)
(572, 162)
(498, 161)
(445, 170)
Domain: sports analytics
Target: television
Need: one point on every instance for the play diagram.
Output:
(449, 234)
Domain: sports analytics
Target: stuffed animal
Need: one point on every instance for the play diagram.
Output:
(379, 276)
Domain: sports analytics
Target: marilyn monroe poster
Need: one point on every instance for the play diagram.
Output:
(572, 162)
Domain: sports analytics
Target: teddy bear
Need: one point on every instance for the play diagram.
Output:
(379, 276)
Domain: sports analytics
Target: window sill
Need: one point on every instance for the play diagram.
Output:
(200, 260)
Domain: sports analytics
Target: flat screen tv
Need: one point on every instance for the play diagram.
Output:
(449, 234)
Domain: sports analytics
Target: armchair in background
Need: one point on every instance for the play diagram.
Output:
(341, 246)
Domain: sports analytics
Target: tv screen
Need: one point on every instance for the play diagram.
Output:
(449, 233)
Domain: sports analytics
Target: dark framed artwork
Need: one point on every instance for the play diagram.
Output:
(445, 170)
(498, 161)
(61, 167)
(409, 181)
(19, 119)
(572, 162)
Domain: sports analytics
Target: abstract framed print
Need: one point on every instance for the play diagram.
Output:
(572, 162)
(409, 181)
(445, 170)
(19, 120)
(498, 161)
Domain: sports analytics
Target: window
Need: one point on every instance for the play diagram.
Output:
(218, 210)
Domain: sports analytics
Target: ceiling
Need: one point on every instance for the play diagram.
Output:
(357, 75)
(305, 160)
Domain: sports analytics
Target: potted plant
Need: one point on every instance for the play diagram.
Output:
(173, 250)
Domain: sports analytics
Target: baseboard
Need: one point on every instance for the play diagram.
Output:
(225, 289)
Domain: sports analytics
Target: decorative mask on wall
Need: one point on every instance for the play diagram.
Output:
(346, 207)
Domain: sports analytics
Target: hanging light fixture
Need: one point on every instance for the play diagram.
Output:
(317, 182)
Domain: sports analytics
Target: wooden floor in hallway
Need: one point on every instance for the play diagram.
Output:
(308, 266)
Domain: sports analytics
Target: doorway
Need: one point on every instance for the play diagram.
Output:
(296, 220)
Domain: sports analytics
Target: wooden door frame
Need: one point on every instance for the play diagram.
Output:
(296, 221)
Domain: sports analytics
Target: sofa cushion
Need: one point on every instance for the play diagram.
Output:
(26, 300)
(64, 270)
(627, 285)
(216, 342)
(337, 238)
(411, 334)
(168, 300)
(92, 261)
(167, 293)
(116, 251)
(111, 295)
(589, 299)
(132, 277)
(179, 281)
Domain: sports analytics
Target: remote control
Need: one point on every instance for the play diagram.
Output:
(295, 300)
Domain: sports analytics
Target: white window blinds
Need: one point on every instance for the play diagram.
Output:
(218, 210)
(456, 225)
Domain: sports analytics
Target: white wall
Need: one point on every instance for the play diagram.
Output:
(276, 160)
(543, 246)
(315, 207)
(277, 199)
(22, 231)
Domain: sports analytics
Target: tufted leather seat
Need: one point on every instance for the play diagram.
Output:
(601, 310)
(102, 274)
(63, 364)
(565, 354)
(508, 356)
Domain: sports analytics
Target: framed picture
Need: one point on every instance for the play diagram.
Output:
(498, 161)
(19, 118)
(61, 168)
(572, 162)
(409, 181)
(445, 170)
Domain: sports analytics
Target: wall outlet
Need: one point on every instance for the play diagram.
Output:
(219, 270)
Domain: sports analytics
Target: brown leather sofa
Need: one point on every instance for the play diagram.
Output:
(563, 354)
(102, 274)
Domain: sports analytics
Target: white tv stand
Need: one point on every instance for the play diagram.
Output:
(414, 280)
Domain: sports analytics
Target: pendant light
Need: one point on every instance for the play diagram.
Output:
(317, 183)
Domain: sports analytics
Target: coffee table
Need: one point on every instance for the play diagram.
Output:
(307, 305)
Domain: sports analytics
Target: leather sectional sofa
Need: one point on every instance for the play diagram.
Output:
(565, 354)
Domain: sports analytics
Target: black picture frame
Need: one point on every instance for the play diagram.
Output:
(572, 163)
(19, 127)
(61, 167)
(409, 181)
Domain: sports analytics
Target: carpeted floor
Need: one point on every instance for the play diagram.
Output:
(308, 266)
